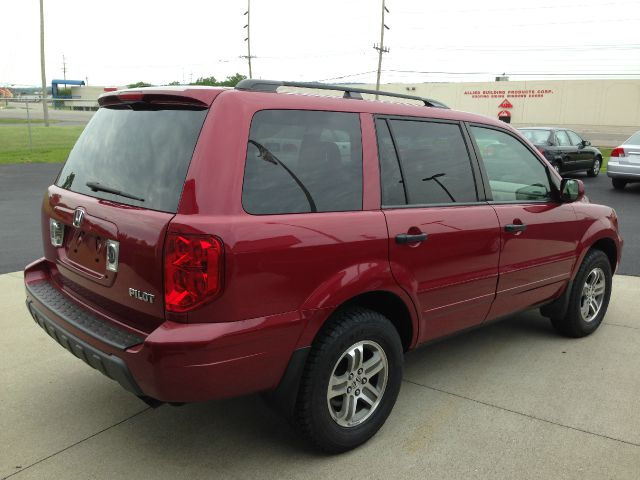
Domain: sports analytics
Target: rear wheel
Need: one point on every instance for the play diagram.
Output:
(618, 183)
(351, 380)
(595, 168)
(589, 297)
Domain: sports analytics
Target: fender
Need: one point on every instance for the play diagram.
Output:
(601, 225)
(345, 285)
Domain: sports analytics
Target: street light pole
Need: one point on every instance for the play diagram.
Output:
(45, 107)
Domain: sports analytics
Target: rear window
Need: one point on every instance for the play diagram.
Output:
(303, 161)
(633, 139)
(537, 136)
(141, 153)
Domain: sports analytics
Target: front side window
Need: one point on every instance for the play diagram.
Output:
(303, 161)
(574, 137)
(515, 174)
(435, 163)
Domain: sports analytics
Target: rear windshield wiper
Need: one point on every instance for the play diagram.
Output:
(96, 187)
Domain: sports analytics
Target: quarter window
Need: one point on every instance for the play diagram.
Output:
(303, 161)
(435, 163)
(515, 174)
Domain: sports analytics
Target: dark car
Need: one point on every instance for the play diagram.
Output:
(565, 149)
(202, 243)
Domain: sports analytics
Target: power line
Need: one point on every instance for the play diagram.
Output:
(518, 73)
(346, 76)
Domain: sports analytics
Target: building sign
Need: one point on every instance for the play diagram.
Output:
(520, 93)
(505, 116)
(506, 104)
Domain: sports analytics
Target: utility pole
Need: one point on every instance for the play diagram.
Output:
(381, 47)
(248, 56)
(64, 69)
(45, 109)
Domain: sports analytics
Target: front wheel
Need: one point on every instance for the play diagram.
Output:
(589, 297)
(351, 380)
(595, 168)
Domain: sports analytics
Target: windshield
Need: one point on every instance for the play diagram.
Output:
(537, 136)
(144, 154)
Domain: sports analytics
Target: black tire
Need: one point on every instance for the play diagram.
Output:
(312, 414)
(618, 183)
(573, 324)
(595, 169)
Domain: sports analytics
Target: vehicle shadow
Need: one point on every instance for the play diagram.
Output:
(230, 429)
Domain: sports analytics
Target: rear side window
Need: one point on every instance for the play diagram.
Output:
(563, 138)
(142, 153)
(434, 162)
(537, 136)
(303, 161)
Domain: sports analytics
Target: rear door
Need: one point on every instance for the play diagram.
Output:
(538, 244)
(568, 152)
(443, 239)
(115, 196)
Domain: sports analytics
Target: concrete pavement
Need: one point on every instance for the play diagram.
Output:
(511, 400)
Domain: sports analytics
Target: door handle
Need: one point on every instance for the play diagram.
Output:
(515, 227)
(405, 238)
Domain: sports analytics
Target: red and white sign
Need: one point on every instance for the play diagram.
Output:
(504, 113)
(505, 104)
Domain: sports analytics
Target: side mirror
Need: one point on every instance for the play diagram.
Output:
(585, 143)
(571, 190)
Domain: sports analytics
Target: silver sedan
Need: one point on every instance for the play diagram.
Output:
(624, 162)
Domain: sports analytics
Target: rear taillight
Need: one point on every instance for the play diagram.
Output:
(617, 152)
(541, 150)
(56, 232)
(193, 270)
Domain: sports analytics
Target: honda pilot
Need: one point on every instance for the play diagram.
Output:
(203, 243)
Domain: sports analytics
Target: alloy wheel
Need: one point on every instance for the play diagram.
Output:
(592, 294)
(357, 383)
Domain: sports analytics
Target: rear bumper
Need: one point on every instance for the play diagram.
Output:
(176, 362)
(623, 170)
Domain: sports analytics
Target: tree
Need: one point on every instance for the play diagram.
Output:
(230, 81)
(210, 81)
(174, 83)
(139, 85)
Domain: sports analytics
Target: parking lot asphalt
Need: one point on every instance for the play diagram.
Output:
(511, 400)
(21, 191)
(22, 188)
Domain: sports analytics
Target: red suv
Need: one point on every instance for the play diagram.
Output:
(203, 243)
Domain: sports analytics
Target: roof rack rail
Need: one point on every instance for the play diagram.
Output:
(253, 85)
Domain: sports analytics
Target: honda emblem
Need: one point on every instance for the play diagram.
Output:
(78, 216)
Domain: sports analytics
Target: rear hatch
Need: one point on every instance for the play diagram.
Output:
(114, 199)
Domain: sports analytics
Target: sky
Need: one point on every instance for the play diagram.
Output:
(119, 42)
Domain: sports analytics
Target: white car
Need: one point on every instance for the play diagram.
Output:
(624, 163)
